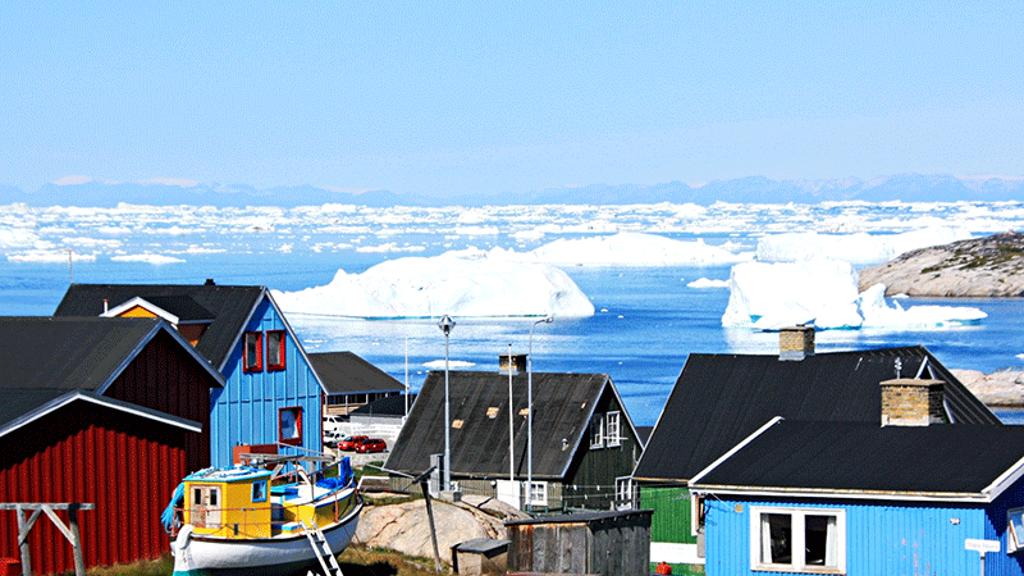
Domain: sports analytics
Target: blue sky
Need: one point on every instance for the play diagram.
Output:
(424, 97)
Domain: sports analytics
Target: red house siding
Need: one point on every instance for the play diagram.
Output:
(166, 378)
(127, 465)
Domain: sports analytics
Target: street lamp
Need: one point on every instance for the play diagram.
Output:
(529, 412)
(446, 324)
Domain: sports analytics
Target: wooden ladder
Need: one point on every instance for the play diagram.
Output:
(322, 550)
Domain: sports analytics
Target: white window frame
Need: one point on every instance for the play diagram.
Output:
(1014, 541)
(624, 499)
(613, 439)
(597, 440)
(798, 516)
(543, 487)
(695, 505)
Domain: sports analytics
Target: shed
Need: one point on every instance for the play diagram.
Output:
(480, 556)
(615, 543)
(350, 381)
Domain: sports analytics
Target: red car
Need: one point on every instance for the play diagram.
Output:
(350, 443)
(372, 445)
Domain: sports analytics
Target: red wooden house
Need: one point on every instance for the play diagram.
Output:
(108, 411)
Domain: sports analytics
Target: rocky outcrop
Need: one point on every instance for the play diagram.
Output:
(992, 266)
(404, 528)
(1004, 388)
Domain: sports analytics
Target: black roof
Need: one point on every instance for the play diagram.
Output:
(390, 406)
(644, 432)
(184, 307)
(563, 404)
(934, 459)
(720, 399)
(230, 307)
(65, 353)
(21, 401)
(348, 373)
(588, 517)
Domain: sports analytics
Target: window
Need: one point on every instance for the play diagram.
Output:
(275, 349)
(624, 493)
(252, 352)
(1015, 530)
(289, 425)
(612, 429)
(539, 493)
(259, 491)
(597, 431)
(696, 514)
(798, 540)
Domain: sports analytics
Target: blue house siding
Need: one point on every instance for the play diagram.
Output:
(995, 529)
(882, 538)
(245, 411)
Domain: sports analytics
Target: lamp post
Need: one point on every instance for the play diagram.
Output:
(529, 413)
(446, 324)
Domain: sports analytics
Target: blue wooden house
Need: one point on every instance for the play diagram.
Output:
(910, 494)
(272, 394)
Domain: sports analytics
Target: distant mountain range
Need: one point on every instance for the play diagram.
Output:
(754, 189)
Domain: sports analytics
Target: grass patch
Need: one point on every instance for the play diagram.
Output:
(162, 566)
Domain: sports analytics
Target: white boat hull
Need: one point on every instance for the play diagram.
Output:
(201, 556)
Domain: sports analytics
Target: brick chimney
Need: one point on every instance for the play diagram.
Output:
(796, 342)
(518, 363)
(912, 402)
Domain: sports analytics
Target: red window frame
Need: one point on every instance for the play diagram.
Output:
(298, 425)
(256, 366)
(281, 350)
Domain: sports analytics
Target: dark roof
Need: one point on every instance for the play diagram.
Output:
(348, 373)
(390, 406)
(482, 545)
(25, 404)
(588, 517)
(66, 353)
(563, 404)
(940, 458)
(230, 307)
(644, 432)
(183, 306)
(719, 399)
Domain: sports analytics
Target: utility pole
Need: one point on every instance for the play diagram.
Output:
(511, 424)
(446, 324)
(529, 412)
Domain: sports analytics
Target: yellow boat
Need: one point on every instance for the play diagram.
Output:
(251, 520)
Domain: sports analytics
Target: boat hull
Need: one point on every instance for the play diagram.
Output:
(199, 556)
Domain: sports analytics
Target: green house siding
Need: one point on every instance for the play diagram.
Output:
(671, 519)
(590, 482)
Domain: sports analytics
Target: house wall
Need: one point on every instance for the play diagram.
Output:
(882, 538)
(995, 529)
(245, 411)
(165, 377)
(126, 465)
(590, 482)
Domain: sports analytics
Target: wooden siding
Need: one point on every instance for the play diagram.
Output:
(590, 482)
(671, 520)
(165, 377)
(245, 411)
(881, 538)
(126, 465)
(613, 547)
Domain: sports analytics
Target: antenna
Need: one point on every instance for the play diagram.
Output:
(406, 377)
(899, 366)
(71, 266)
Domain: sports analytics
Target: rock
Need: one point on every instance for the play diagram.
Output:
(404, 528)
(992, 266)
(1004, 388)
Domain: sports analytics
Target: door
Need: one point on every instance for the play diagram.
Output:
(206, 506)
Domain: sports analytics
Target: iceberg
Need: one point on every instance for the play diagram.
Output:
(482, 284)
(633, 249)
(704, 283)
(860, 248)
(147, 258)
(769, 296)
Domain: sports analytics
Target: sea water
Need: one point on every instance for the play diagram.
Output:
(648, 321)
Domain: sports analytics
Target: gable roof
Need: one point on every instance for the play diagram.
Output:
(347, 373)
(719, 399)
(390, 406)
(229, 306)
(22, 406)
(563, 404)
(41, 352)
(861, 460)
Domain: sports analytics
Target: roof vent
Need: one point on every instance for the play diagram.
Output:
(796, 342)
(518, 363)
(209, 282)
(492, 412)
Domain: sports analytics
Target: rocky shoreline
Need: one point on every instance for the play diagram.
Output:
(1002, 389)
(988, 267)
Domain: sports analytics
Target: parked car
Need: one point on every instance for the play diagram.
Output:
(350, 443)
(332, 423)
(371, 445)
(332, 437)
